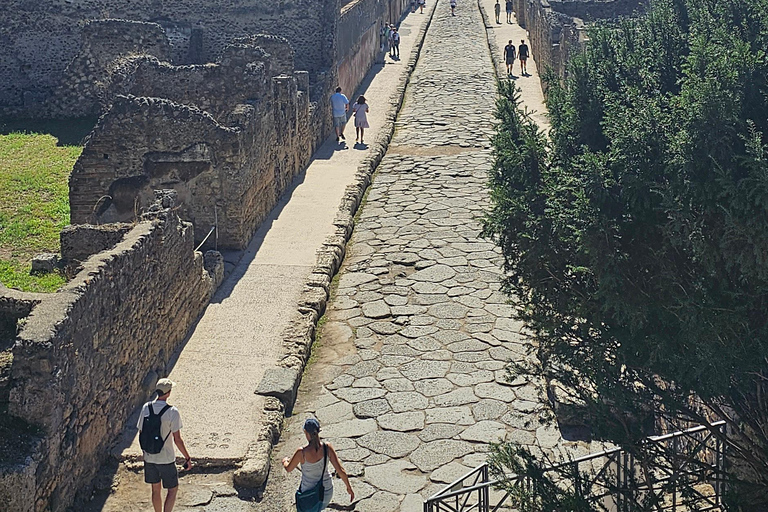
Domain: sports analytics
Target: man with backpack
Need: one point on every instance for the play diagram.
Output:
(159, 429)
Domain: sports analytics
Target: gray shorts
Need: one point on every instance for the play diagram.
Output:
(340, 121)
(167, 473)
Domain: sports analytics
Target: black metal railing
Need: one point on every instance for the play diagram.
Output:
(688, 473)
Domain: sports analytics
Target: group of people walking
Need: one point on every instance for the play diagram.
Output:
(509, 8)
(511, 53)
(390, 40)
(340, 107)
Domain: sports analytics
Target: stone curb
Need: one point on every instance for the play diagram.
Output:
(300, 334)
(492, 43)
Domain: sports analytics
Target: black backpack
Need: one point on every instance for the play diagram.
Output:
(150, 438)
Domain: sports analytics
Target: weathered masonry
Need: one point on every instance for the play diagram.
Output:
(83, 358)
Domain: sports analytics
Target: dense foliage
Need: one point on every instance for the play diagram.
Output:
(636, 235)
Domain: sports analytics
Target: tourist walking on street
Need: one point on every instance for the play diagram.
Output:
(413, 5)
(497, 11)
(522, 53)
(159, 430)
(421, 5)
(360, 111)
(339, 106)
(316, 486)
(509, 57)
(453, 7)
(395, 44)
(509, 11)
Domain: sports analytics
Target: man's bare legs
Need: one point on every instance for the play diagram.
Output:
(170, 499)
(157, 498)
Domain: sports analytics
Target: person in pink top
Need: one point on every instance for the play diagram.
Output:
(360, 111)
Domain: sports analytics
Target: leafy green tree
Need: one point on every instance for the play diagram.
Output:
(635, 236)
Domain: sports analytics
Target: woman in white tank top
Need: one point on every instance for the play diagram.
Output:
(314, 467)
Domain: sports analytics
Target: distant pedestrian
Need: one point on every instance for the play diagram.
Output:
(523, 54)
(453, 7)
(509, 7)
(339, 106)
(497, 10)
(159, 430)
(422, 3)
(509, 56)
(413, 5)
(395, 44)
(316, 487)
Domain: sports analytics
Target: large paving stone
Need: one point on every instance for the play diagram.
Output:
(430, 456)
(392, 444)
(435, 431)
(461, 396)
(393, 477)
(376, 309)
(453, 415)
(419, 369)
(334, 413)
(355, 395)
(355, 279)
(407, 401)
(371, 408)
(433, 387)
(381, 501)
(449, 473)
(448, 310)
(434, 274)
(349, 428)
(485, 432)
(402, 422)
(495, 391)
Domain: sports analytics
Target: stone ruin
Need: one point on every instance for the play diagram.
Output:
(189, 102)
(72, 360)
(228, 136)
(557, 28)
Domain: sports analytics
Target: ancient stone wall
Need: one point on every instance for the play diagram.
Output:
(591, 10)
(358, 43)
(89, 354)
(557, 28)
(229, 137)
(86, 87)
(39, 39)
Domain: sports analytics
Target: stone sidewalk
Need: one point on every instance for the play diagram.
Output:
(499, 34)
(409, 380)
(240, 335)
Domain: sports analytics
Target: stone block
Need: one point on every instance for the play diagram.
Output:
(44, 263)
(255, 469)
(280, 383)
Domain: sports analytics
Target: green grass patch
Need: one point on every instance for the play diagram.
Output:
(34, 205)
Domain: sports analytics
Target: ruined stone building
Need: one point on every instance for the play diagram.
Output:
(219, 105)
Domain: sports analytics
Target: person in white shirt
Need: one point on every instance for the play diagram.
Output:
(339, 105)
(160, 468)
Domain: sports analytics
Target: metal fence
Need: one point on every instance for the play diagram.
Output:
(687, 474)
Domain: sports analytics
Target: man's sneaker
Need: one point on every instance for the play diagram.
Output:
(342, 137)
(337, 139)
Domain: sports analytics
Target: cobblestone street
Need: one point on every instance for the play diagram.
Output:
(409, 381)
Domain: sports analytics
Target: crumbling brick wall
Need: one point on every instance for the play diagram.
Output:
(89, 354)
